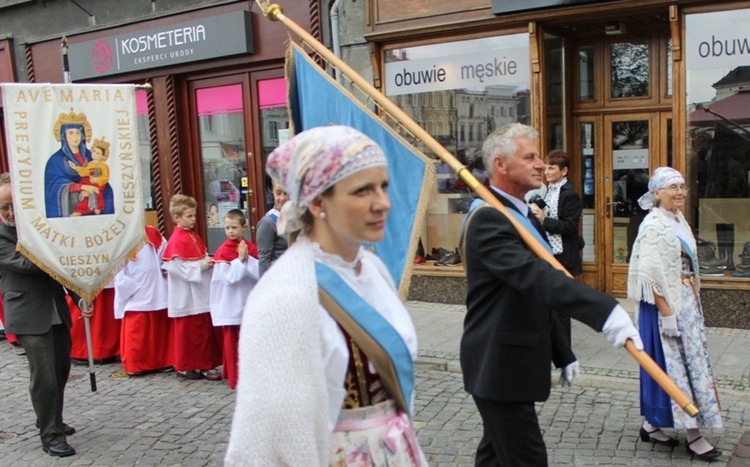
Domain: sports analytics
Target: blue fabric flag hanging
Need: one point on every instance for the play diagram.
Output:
(315, 99)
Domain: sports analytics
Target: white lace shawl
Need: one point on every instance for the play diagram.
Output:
(286, 417)
(656, 262)
(274, 422)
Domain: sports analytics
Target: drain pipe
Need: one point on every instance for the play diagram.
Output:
(335, 32)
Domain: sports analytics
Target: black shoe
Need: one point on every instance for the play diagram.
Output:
(707, 456)
(79, 362)
(646, 436)
(67, 429)
(59, 449)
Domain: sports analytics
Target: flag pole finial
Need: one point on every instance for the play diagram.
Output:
(270, 10)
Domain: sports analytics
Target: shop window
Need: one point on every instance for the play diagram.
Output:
(222, 143)
(717, 73)
(144, 148)
(274, 117)
(588, 182)
(479, 95)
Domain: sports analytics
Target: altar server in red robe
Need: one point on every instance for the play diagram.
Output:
(234, 276)
(197, 345)
(146, 339)
(105, 329)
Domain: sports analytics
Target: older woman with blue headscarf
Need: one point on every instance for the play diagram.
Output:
(327, 348)
(663, 279)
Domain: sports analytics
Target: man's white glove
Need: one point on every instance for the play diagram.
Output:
(568, 374)
(669, 326)
(619, 328)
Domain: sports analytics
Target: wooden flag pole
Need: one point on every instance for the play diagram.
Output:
(274, 12)
(85, 303)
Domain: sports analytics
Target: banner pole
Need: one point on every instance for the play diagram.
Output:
(274, 12)
(86, 321)
(89, 346)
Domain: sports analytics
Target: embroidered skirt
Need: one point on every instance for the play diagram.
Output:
(377, 435)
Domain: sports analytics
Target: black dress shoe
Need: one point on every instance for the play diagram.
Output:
(646, 436)
(59, 450)
(707, 456)
(67, 429)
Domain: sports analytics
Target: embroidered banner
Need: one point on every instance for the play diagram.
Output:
(318, 100)
(76, 178)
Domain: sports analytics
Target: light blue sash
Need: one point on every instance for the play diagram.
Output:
(378, 329)
(691, 253)
(521, 218)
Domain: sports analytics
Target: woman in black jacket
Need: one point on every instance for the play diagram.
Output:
(561, 216)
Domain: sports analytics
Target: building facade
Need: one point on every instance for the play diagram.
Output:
(216, 99)
(624, 86)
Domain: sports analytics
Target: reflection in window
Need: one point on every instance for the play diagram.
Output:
(222, 143)
(274, 123)
(630, 69)
(473, 100)
(588, 221)
(630, 175)
(554, 95)
(718, 145)
(144, 148)
(669, 66)
(586, 73)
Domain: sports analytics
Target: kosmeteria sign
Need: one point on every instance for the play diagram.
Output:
(190, 41)
(467, 71)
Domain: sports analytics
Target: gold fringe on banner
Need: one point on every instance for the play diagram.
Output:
(89, 296)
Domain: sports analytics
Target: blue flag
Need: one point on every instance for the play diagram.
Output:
(317, 100)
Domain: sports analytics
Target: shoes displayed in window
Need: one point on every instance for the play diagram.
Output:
(712, 271)
(449, 258)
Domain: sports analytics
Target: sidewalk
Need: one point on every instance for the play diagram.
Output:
(439, 328)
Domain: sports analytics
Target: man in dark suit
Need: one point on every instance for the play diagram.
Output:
(510, 331)
(37, 313)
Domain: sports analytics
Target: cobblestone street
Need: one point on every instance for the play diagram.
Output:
(160, 420)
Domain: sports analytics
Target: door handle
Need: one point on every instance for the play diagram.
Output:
(612, 203)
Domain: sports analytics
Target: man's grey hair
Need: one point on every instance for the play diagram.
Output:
(502, 142)
(4, 178)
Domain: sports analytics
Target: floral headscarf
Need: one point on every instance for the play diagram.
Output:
(663, 176)
(315, 160)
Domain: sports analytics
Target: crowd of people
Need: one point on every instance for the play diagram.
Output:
(338, 348)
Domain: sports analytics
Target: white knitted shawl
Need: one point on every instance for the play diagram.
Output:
(656, 263)
(275, 423)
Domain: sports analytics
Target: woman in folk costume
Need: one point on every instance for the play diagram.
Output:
(313, 389)
(663, 279)
(146, 338)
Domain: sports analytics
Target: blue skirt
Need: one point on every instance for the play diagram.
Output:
(656, 405)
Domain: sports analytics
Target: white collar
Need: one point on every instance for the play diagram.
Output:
(559, 184)
(520, 204)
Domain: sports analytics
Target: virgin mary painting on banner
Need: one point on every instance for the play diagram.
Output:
(75, 171)
(69, 190)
